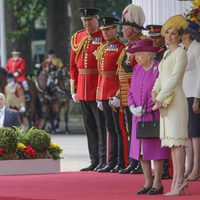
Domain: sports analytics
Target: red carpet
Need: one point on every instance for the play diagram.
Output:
(82, 186)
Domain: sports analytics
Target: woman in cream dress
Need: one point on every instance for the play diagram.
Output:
(174, 118)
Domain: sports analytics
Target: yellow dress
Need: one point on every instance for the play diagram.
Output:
(174, 118)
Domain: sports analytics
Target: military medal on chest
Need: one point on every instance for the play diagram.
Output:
(112, 47)
(97, 40)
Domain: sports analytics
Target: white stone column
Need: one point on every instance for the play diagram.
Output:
(2, 34)
(158, 11)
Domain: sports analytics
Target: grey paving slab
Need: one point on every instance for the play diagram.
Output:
(75, 151)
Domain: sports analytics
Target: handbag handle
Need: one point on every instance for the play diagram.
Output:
(152, 113)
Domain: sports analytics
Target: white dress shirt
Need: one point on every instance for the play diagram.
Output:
(2, 115)
(191, 79)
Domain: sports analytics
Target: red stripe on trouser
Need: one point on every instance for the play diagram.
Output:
(170, 167)
(124, 136)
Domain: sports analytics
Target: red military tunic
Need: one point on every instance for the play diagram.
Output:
(18, 65)
(108, 80)
(83, 64)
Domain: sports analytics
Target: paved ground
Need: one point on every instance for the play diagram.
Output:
(75, 154)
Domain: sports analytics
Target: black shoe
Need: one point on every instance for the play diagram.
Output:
(143, 190)
(99, 166)
(127, 170)
(107, 168)
(137, 170)
(90, 168)
(117, 169)
(154, 191)
(165, 175)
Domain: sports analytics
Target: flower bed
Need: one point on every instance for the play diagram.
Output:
(36, 143)
(30, 152)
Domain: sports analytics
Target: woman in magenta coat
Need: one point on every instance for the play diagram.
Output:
(140, 103)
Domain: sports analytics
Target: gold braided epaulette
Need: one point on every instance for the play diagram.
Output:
(99, 54)
(120, 59)
(78, 47)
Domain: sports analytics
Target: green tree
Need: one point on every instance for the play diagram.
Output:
(110, 7)
(21, 15)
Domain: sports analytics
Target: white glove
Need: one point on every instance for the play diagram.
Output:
(100, 105)
(115, 102)
(137, 111)
(75, 98)
(133, 110)
(22, 109)
(37, 65)
(15, 74)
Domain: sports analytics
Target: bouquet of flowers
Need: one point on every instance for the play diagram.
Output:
(194, 14)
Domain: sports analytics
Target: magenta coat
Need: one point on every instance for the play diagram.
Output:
(142, 83)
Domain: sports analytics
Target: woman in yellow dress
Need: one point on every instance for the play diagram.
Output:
(174, 111)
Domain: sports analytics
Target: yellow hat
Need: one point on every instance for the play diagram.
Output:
(176, 21)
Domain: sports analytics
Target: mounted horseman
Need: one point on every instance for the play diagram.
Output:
(16, 65)
(53, 88)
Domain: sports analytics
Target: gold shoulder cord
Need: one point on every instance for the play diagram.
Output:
(78, 47)
(100, 53)
(120, 59)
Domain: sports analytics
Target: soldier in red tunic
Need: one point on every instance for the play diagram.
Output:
(132, 25)
(83, 80)
(108, 85)
(154, 32)
(16, 66)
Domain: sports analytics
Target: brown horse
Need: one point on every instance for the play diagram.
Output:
(53, 88)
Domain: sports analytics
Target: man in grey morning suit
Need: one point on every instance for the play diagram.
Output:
(8, 117)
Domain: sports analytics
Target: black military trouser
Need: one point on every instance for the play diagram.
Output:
(128, 116)
(96, 131)
(116, 155)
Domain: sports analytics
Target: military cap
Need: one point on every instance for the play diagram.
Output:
(108, 22)
(154, 30)
(88, 13)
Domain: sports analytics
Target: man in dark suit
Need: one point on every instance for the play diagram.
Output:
(8, 117)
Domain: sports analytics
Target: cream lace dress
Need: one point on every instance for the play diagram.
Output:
(174, 118)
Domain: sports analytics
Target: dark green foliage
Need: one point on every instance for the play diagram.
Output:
(110, 7)
(21, 135)
(8, 140)
(26, 12)
(38, 139)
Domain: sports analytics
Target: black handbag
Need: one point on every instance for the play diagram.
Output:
(148, 129)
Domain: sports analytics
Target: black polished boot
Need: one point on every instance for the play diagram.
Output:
(117, 169)
(107, 168)
(137, 170)
(126, 170)
(90, 167)
(133, 163)
(99, 166)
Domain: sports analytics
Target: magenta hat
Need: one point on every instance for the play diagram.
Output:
(145, 45)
